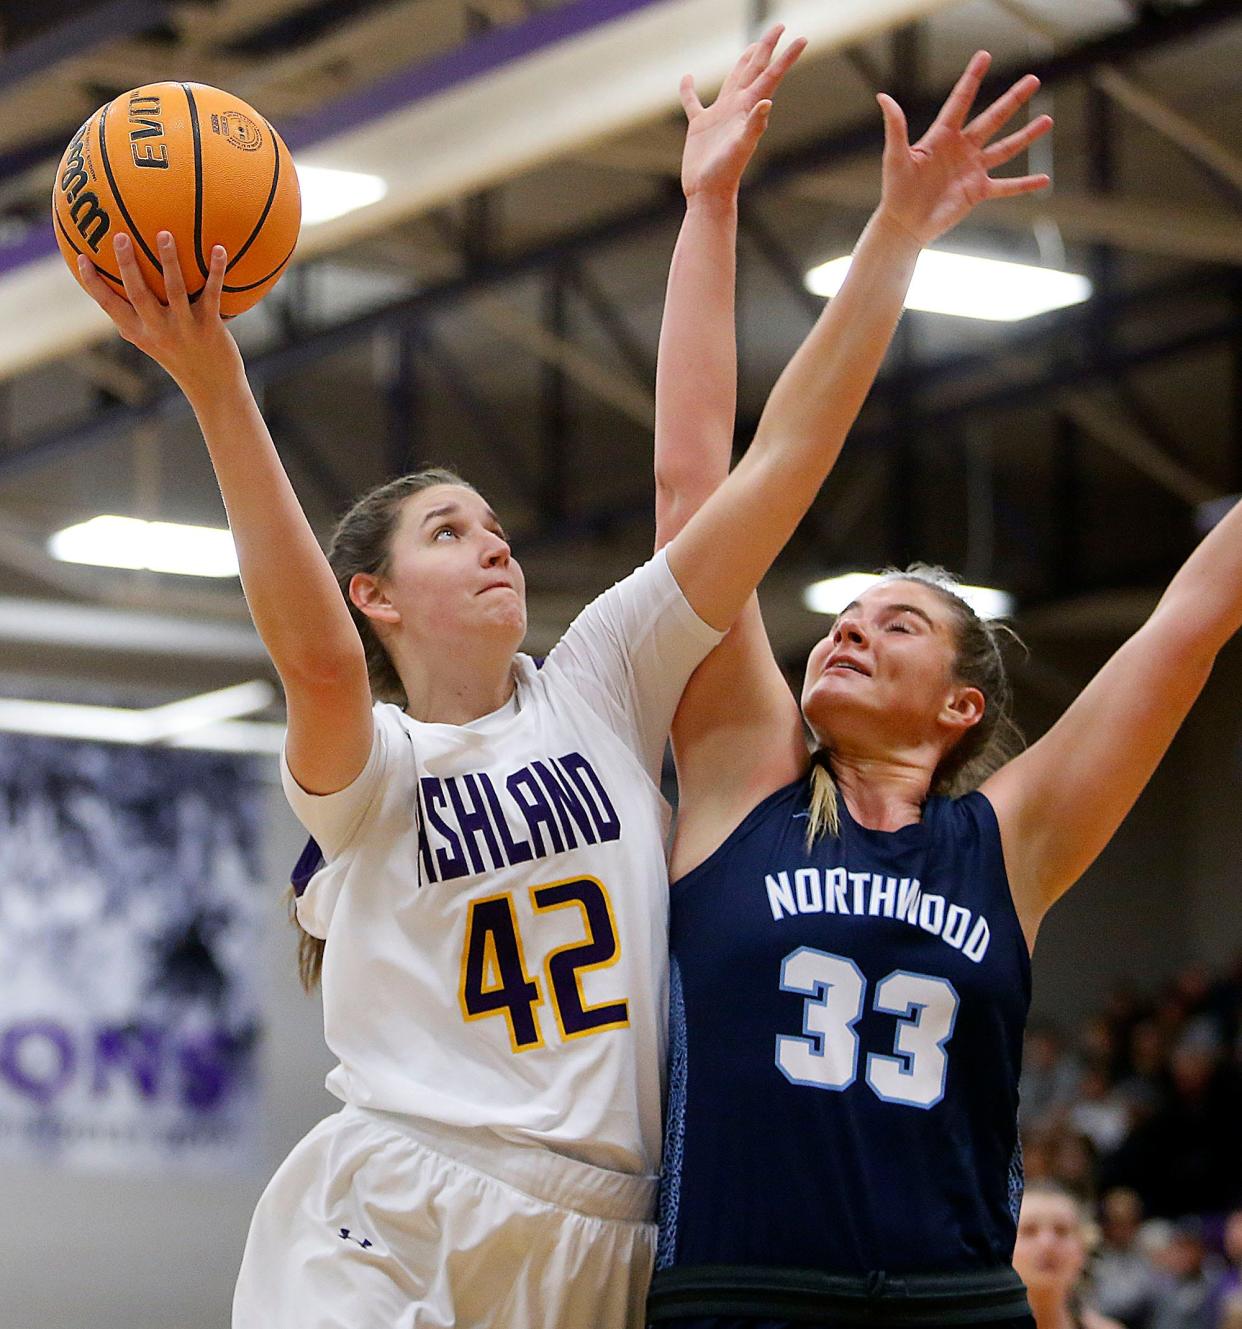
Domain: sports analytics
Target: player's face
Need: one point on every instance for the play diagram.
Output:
(450, 572)
(885, 670)
(1050, 1250)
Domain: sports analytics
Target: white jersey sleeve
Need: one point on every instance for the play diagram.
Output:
(337, 820)
(630, 653)
(334, 819)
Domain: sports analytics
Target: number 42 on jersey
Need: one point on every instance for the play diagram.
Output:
(495, 980)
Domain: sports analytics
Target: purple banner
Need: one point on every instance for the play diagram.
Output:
(129, 955)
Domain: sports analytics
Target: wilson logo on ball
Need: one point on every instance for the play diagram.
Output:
(91, 220)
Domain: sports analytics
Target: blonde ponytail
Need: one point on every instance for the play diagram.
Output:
(825, 801)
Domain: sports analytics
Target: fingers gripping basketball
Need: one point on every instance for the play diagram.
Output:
(194, 161)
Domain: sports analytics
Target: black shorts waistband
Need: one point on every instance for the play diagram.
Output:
(977, 1297)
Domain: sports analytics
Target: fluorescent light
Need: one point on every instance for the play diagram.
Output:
(832, 594)
(207, 721)
(157, 546)
(328, 194)
(235, 736)
(183, 717)
(972, 287)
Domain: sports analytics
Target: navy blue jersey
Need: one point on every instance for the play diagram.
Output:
(845, 1042)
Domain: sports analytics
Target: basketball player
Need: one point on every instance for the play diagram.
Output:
(493, 902)
(850, 931)
(1050, 1254)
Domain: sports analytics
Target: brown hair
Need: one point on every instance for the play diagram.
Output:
(985, 747)
(362, 542)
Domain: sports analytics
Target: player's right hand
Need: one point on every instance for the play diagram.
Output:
(188, 340)
(722, 137)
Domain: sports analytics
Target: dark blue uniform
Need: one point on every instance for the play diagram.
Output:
(845, 1041)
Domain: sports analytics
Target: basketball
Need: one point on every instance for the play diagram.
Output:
(189, 159)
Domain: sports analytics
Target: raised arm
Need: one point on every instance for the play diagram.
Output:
(292, 593)
(737, 733)
(1061, 800)
(696, 372)
(724, 550)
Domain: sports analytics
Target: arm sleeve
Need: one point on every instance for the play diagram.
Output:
(630, 653)
(333, 819)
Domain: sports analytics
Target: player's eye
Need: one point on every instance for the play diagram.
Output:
(899, 626)
(445, 530)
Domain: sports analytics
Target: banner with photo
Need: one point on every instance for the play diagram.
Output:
(130, 911)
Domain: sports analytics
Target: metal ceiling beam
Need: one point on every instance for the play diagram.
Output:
(1200, 235)
(629, 398)
(1150, 33)
(95, 27)
(1102, 422)
(1157, 114)
(1038, 387)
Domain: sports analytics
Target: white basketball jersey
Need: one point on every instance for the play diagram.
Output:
(495, 894)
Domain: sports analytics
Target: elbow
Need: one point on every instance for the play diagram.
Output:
(675, 505)
(331, 669)
(1187, 638)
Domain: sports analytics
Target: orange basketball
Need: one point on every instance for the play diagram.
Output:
(189, 159)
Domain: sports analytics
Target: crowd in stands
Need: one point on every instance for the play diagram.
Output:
(1140, 1117)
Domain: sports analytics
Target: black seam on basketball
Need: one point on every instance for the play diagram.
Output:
(198, 182)
(267, 207)
(134, 233)
(103, 272)
(234, 290)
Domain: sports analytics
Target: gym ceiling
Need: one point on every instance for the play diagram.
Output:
(498, 311)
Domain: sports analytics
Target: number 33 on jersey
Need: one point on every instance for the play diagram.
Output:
(496, 980)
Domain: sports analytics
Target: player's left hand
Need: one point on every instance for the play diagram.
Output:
(721, 138)
(930, 186)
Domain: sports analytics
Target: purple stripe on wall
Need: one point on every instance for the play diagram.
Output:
(35, 244)
(494, 49)
(416, 83)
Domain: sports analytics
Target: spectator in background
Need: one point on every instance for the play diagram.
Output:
(1049, 1078)
(1124, 1281)
(1050, 1254)
(1099, 1044)
(1226, 1294)
(1143, 1088)
(1184, 1299)
(1100, 1113)
(1074, 1164)
(1175, 1069)
(1187, 1158)
(1225, 1003)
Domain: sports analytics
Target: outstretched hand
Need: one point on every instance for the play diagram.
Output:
(721, 138)
(188, 340)
(930, 186)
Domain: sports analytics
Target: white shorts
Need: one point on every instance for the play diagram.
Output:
(374, 1222)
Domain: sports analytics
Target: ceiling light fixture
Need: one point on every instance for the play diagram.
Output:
(328, 194)
(832, 594)
(970, 287)
(210, 720)
(155, 546)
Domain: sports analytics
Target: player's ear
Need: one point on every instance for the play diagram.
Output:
(369, 594)
(963, 709)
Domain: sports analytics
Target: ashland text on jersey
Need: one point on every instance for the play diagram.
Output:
(467, 823)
